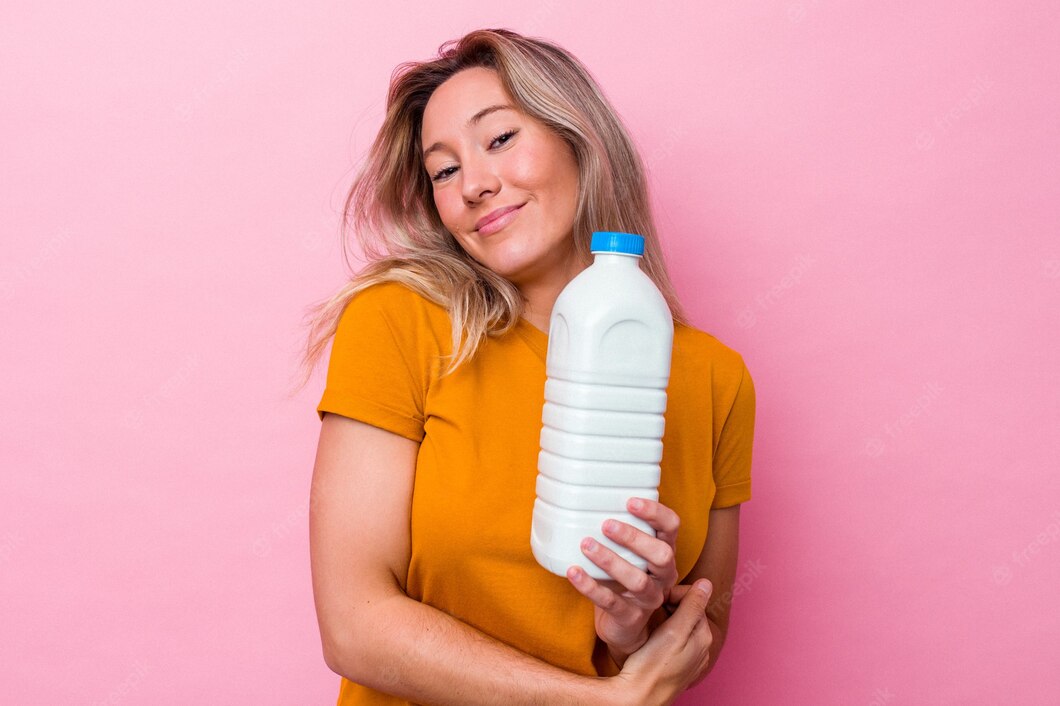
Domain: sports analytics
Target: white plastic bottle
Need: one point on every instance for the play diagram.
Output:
(608, 366)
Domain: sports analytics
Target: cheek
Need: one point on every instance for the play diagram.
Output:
(529, 169)
(448, 203)
(550, 174)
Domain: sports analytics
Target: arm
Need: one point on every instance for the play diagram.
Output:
(629, 606)
(731, 466)
(717, 562)
(371, 631)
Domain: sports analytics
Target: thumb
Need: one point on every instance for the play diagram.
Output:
(678, 592)
(693, 602)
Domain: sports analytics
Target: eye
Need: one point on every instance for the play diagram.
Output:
(506, 136)
(441, 174)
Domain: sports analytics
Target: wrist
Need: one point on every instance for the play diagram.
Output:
(619, 653)
(623, 690)
(618, 657)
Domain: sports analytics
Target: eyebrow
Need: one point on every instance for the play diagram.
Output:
(470, 123)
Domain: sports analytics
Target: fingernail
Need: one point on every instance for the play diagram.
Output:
(589, 544)
(704, 585)
(611, 526)
(635, 504)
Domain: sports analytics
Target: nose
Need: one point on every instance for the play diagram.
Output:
(479, 179)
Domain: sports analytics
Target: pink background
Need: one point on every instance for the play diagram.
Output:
(861, 198)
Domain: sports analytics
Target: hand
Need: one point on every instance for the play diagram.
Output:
(623, 606)
(676, 653)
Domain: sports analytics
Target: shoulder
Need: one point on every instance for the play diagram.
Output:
(395, 311)
(397, 302)
(391, 295)
(702, 354)
(703, 346)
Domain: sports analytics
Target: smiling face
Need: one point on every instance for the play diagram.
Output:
(504, 158)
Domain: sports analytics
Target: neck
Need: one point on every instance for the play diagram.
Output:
(540, 296)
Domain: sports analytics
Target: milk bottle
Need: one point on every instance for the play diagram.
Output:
(608, 365)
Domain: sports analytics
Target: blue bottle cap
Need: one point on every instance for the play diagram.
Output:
(612, 241)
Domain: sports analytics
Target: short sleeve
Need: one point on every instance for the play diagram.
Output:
(374, 373)
(732, 457)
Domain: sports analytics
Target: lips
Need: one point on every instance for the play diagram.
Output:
(495, 214)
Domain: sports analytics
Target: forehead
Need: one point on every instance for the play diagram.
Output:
(461, 96)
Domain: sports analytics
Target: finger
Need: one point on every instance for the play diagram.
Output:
(640, 588)
(693, 607)
(658, 553)
(599, 594)
(677, 593)
(675, 596)
(665, 521)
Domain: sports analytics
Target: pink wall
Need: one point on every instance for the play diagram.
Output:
(862, 198)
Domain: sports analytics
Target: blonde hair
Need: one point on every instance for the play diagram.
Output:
(391, 206)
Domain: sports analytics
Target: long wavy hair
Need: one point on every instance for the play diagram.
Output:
(391, 209)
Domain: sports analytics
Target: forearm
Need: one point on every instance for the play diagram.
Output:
(717, 641)
(417, 652)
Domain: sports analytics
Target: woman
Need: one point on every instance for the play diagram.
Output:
(494, 164)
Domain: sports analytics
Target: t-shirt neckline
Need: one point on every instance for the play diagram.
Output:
(535, 337)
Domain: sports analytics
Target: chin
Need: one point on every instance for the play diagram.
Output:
(510, 258)
(522, 273)
(509, 273)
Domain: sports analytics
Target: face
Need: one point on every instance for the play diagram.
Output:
(505, 158)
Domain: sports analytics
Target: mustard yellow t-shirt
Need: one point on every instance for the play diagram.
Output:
(479, 433)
